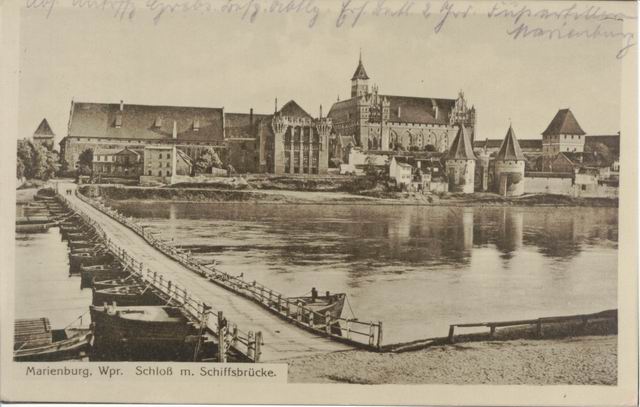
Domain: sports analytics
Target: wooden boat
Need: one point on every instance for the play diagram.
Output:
(91, 249)
(33, 228)
(126, 295)
(320, 305)
(34, 340)
(76, 260)
(100, 272)
(130, 279)
(142, 333)
(43, 198)
(81, 244)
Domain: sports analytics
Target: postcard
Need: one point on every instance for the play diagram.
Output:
(397, 202)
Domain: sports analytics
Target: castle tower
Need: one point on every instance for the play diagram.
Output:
(509, 167)
(359, 81)
(460, 163)
(462, 115)
(44, 135)
(563, 134)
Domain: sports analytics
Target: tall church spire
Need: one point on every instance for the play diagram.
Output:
(359, 80)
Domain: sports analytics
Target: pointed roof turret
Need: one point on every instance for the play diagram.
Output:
(564, 122)
(461, 146)
(44, 129)
(510, 148)
(360, 73)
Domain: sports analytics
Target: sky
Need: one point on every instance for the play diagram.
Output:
(215, 60)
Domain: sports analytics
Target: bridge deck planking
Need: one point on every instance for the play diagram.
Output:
(281, 339)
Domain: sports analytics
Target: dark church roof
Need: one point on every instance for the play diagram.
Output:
(402, 109)
(143, 122)
(510, 149)
(243, 125)
(420, 110)
(360, 73)
(44, 130)
(461, 146)
(292, 109)
(564, 123)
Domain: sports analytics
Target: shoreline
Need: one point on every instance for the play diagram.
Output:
(574, 360)
(297, 197)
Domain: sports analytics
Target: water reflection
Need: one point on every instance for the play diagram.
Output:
(416, 268)
(382, 234)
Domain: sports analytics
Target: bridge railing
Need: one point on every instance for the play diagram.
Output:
(365, 334)
(245, 343)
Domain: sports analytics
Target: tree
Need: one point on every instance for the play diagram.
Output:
(25, 156)
(85, 162)
(19, 168)
(35, 161)
(207, 160)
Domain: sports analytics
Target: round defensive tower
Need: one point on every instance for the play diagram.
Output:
(509, 167)
(461, 163)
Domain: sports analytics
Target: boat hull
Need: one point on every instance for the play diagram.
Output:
(75, 346)
(120, 338)
(126, 296)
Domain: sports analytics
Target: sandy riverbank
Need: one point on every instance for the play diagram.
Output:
(121, 193)
(578, 360)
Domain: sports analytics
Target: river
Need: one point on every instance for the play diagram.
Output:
(417, 269)
(44, 287)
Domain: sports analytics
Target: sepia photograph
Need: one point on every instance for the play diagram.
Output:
(354, 193)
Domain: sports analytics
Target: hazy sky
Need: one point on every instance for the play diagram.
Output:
(214, 60)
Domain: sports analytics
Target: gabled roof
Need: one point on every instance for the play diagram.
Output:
(564, 122)
(292, 109)
(461, 146)
(510, 149)
(128, 151)
(196, 124)
(585, 159)
(184, 156)
(239, 125)
(360, 73)
(44, 129)
(403, 109)
(421, 110)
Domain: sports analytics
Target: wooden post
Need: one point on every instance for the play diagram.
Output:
(299, 311)
(279, 302)
(288, 309)
(348, 329)
(258, 346)
(539, 328)
(379, 345)
(311, 318)
(327, 323)
(371, 334)
(222, 352)
(492, 331)
(250, 345)
(234, 336)
(451, 329)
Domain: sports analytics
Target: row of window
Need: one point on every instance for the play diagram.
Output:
(168, 173)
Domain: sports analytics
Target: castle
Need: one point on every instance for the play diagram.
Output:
(385, 122)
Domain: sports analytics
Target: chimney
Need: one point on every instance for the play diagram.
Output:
(121, 105)
(251, 117)
(321, 111)
(175, 130)
(276, 106)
